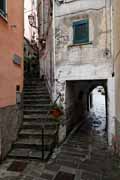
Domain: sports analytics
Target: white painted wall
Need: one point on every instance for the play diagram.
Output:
(111, 109)
(30, 7)
(116, 41)
(85, 62)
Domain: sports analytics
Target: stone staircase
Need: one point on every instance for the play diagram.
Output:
(38, 134)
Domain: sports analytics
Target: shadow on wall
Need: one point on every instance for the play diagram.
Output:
(76, 110)
(78, 100)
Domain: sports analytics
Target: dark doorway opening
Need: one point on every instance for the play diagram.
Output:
(84, 99)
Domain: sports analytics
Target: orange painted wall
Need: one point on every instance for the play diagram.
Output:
(11, 42)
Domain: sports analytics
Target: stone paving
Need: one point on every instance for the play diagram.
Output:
(84, 156)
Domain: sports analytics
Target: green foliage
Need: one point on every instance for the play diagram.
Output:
(29, 58)
(56, 106)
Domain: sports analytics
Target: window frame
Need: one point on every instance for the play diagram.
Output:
(81, 40)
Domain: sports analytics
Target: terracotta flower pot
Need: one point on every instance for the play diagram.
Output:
(56, 113)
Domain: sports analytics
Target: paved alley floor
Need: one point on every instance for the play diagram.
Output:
(84, 156)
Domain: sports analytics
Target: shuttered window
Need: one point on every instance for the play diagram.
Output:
(81, 31)
(3, 7)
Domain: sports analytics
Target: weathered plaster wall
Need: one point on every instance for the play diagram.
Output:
(75, 102)
(10, 120)
(70, 104)
(11, 75)
(116, 41)
(111, 109)
(45, 21)
(92, 61)
(90, 56)
(48, 61)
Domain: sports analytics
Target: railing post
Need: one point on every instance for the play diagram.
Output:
(43, 142)
(57, 134)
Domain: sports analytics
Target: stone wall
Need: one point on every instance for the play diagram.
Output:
(10, 121)
(116, 42)
(45, 21)
(72, 61)
(90, 61)
(75, 103)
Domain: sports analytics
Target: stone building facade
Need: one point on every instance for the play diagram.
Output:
(11, 71)
(46, 42)
(84, 60)
(116, 61)
(82, 56)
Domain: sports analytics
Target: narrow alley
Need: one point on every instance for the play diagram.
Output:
(60, 90)
(84, 155)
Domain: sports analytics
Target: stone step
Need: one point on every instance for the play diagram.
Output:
(38, 90)
(85, 144)
(38, 118)
(36, 97)
(37, 101)
(74, 153)
(36, 93)
(35, 88)
(77, 147)
(42, 89)
(66, 157)
(30, 79)
(38, 125)
(28, 153)
(75, 150)
(35, 111)
(37, 132)
(31, 142)
(34, 82)
(37, 106)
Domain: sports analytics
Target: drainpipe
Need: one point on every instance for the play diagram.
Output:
(54, 63)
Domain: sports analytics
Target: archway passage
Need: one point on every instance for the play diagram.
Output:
(97, 109)
(80, 96)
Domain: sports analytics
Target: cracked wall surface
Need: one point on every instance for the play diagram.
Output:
(90, 61)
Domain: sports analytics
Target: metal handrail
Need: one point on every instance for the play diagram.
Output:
(54, 102)
(43, 128)
(57, 98)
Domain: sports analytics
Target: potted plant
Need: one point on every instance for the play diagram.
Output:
(56, 110)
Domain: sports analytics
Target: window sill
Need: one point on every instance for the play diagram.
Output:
(81, 44)
(4, 17)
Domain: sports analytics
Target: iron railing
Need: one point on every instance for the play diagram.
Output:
(43, 132)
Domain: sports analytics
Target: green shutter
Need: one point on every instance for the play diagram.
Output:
(81, 31)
